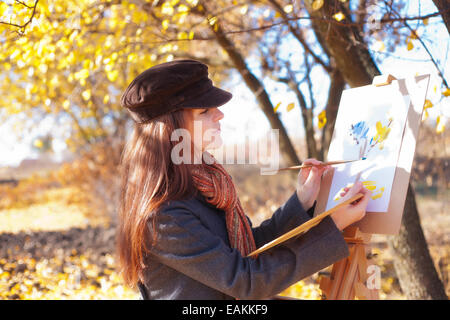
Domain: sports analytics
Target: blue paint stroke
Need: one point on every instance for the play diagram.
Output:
(359, 131)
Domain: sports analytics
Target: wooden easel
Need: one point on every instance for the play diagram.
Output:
(349, 276)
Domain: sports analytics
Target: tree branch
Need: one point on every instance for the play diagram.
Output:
(297, 34)
(22, 27)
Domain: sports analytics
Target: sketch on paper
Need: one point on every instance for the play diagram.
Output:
(369, 126)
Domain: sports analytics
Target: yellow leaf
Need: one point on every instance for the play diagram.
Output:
(440, 126)
(212, 20)
(66, 104)
(132, 57)
(112, 75)
(82, 74)
(86, 94)
(425, 21)
(425, 116)
(317, 4)
(167, 8)
(165, 24)
(446, 93)
(276, 107)
(322, 119)
(410, 45)
(38, 143)
(428, 104)
(183, 8)
(339, 16)
(290, 106)
(182, 35)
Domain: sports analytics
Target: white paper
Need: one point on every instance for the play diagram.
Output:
(363, 107)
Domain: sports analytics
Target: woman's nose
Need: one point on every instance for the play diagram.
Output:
(219, 115)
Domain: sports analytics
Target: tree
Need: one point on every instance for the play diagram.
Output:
(444, 8)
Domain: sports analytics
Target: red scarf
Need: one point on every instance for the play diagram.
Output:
(215, 184)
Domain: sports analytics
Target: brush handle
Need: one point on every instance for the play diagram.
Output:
(330, 163)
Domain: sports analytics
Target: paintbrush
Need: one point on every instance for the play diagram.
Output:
(330, 163)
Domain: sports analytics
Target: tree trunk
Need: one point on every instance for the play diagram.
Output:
(413, 264)
(344, 43)
(256, 86)
(412, 261)
(334, 97)
(444, 8)
(307, 116)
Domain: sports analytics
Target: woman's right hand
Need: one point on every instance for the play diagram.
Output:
(352, 213)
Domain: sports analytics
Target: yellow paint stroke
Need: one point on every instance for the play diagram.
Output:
(379, 194)
(368, 184)
(382, 134)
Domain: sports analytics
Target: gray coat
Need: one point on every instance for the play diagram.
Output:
(192, 258)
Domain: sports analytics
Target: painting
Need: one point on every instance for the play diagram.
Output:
(369, 128)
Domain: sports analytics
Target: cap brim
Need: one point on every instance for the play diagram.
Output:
(214, 97)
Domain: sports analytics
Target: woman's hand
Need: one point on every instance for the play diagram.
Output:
(353, 212)
(308, 182)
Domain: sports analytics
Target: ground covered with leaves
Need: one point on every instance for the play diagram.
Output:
(52, 246)
(77, 263)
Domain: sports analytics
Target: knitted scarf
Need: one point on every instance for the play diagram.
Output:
(215, 184)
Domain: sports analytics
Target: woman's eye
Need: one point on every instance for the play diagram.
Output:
(206, 110)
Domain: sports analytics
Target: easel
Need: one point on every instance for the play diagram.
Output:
(348, 278)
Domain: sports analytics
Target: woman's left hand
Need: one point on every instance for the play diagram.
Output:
(308, 182)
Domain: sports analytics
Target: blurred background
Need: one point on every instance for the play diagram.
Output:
(64, 65)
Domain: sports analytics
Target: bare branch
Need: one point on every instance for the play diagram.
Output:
(425, 47)
(23, 26)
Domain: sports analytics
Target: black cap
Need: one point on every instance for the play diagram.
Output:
(171, 86)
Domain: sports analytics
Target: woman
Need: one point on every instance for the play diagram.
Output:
(182, 231)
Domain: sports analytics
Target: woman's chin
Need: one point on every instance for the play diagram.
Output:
(216, 144)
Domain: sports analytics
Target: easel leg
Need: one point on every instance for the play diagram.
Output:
(349, 276)
(337, 275)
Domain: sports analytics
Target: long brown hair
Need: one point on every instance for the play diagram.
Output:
(149, 178)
